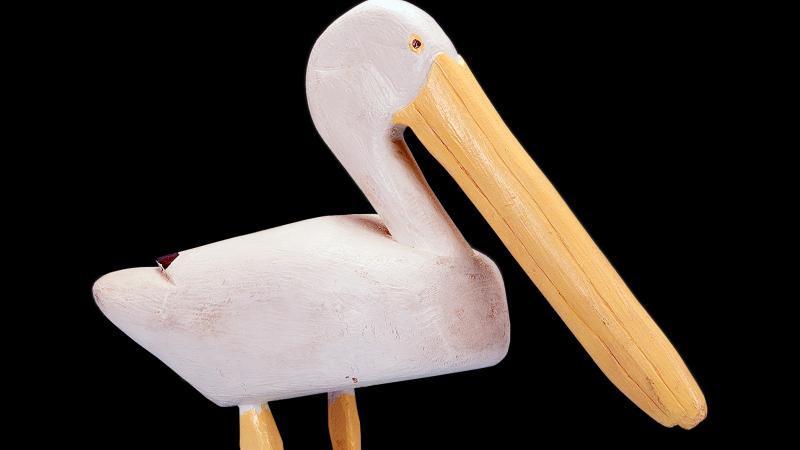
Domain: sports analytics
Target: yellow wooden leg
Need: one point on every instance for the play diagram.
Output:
(257, 429)
(343, 423)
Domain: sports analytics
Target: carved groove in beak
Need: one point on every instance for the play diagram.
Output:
(454, 119)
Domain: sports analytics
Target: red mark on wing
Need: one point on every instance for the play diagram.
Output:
(166, 260)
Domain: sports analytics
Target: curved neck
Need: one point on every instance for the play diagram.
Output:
(373, 152)
(387, 173)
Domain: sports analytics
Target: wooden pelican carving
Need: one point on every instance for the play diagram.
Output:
(334, 303)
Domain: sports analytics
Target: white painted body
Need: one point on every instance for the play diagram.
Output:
(317, 306)
(336, 302)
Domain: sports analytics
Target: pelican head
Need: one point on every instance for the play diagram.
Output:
(386, 66)
(369, 64)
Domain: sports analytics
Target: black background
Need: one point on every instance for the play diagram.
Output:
(180, 127)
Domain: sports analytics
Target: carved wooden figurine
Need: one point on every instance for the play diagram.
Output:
(336, 303)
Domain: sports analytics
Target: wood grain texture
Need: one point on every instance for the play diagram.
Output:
(344, 425)
(257, 429)
(457, 123)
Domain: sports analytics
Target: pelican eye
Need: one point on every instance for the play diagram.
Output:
(416, 44)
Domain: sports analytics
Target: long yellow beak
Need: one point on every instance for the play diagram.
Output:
(454, 119)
